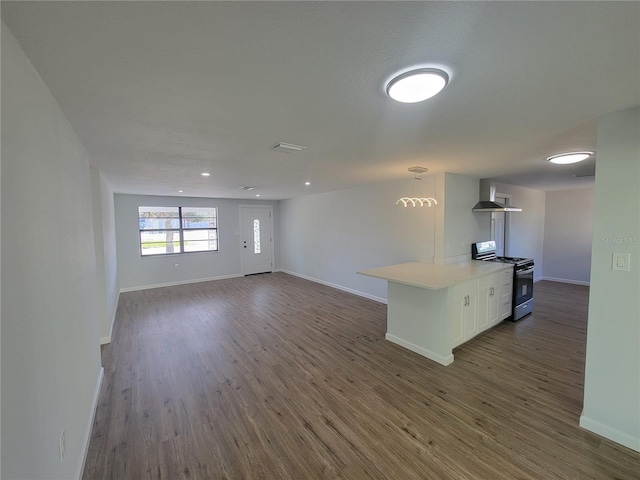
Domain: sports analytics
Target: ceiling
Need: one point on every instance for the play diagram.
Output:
(159, 92)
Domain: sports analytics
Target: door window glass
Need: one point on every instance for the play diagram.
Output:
(256, 236)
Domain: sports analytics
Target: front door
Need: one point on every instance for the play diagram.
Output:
(256, 242)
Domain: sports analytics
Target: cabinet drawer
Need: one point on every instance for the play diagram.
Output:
(505, 306)
(490, 280)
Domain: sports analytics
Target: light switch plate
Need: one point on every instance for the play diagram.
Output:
(620, 261)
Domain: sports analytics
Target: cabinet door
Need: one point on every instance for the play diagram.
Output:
(506, 294)
(470, 322)
(457, 319)
(464, 312)
(488, 306)
(488, 300)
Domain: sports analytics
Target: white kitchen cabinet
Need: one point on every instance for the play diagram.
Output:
(489, 301)
(464, 313)
(506, 294)
(433, 308)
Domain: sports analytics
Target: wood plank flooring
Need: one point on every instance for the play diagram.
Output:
(275, 377)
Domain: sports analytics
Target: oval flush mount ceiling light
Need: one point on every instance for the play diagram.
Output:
(417, 85)
(570, 157)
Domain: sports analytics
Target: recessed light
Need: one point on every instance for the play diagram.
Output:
(257, 194)
(570, 157)
(417, 85)
(180, 191)
(307, 183)
(205, 174)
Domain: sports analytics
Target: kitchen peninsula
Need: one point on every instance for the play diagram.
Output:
(433, 308)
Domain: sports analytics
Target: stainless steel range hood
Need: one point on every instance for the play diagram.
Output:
(487, 201)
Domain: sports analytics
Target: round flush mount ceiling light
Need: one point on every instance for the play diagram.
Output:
(417, 85)
(570, 157)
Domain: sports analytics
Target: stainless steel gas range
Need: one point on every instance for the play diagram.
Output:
(522, 276)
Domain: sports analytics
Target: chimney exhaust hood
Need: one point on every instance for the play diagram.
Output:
(487, 201)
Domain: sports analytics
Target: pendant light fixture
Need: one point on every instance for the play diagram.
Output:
(416, 201)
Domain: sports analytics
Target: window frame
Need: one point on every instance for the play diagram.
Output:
(180, 230)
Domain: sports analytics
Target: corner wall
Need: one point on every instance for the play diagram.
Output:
(568, 232)
(458, 225)
(51, 369)
(106, 260)
(612, 371)
(526, 229)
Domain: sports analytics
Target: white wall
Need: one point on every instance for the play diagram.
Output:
(525, 230)
(460, 226)
(328, 237)
(136, 272)
(106, 260)
(50, 355)
(612, 372)
(568, 231)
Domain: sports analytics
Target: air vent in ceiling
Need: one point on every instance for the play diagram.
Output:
(247, 188)
(288, 147)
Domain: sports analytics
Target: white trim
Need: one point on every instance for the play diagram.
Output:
(92, 416)
(564, 280)
(613, 434)
(447, 360)
(336, 286)
(181, 282)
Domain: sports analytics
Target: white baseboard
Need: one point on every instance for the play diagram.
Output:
(181, 282)
(613, 434)
(336, 286)
(422, 351)
(564, 280)
(92, 416)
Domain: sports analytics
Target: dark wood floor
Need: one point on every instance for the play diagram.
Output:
(274, 377)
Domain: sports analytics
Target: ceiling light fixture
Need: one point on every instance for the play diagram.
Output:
(205, 174)
(570, 157)
(180, 191)
(307, 183)
(416, 201)
(417, 85)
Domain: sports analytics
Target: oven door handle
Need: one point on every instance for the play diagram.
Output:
(527, 270)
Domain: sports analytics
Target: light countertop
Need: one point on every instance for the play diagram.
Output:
(434, 276)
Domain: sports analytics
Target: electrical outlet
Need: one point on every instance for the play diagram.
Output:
(62, 444)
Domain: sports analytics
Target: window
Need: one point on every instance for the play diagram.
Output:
(165, 230)
(256, 236)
